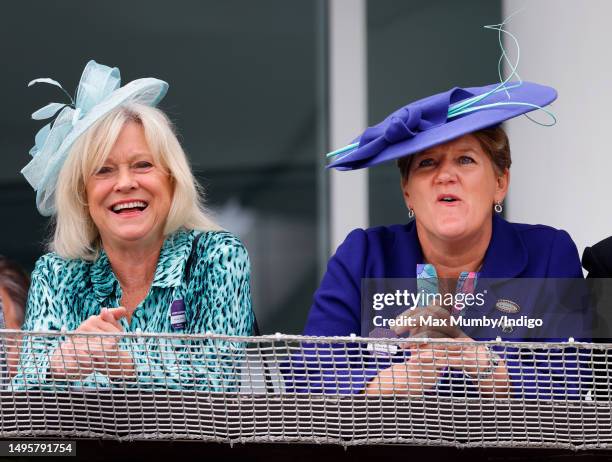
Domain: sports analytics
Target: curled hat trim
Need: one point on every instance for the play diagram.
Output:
(98, 93)
(448, 115)
(440, 118)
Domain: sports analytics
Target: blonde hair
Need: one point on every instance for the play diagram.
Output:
(76, 235)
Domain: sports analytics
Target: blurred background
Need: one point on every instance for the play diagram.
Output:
(260, 91)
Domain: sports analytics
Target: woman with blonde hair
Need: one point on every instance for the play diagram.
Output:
(133, 249)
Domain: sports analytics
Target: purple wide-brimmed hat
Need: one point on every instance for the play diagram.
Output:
(440, 118)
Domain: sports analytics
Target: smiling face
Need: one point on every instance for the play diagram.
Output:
(452, 188)
(129, 196)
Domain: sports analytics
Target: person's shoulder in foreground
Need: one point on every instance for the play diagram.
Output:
(597, 259)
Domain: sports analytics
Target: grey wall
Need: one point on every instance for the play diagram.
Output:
(561, 174)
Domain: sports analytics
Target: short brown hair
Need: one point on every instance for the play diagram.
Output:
(493, 141)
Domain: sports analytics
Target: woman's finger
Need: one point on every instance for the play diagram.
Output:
(97, 324)
(457, 354)
(423, 344)
(432, 319)
(402, 325)
(445, 355)
(89, 325)
(119, 312)
(107, 315)
(412, 345)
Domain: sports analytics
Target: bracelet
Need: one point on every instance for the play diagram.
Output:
(487, 373)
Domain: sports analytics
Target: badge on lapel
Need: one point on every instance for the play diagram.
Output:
(177, 314)
(507, 306)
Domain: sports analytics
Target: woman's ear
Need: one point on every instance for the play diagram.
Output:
(501, 187)
(404, 188)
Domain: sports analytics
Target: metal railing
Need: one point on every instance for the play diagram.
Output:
(281, 388)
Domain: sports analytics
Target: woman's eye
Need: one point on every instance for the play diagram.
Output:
(425, 163)
(466, 160)
(104, 170)
(143, 165)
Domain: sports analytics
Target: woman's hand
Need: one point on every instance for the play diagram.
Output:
(476, 360)
(413, 377)
(79, 356)
(428, 322)
(429, 360)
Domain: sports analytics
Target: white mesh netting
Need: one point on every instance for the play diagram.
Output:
(346, 391)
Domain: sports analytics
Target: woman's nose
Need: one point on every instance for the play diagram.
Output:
(125, 180)
(446, 173)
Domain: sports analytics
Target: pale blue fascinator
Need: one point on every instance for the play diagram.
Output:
(98, 93)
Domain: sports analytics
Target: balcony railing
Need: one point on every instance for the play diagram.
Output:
(284, 388)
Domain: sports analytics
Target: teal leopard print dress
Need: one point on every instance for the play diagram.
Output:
(216, 295)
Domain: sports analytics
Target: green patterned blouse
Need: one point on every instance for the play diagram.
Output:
(216, 298)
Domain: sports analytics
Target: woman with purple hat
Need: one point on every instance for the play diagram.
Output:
(454, 161)
(133, 248)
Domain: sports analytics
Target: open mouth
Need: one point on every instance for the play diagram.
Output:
(448, 198)
(127, 207)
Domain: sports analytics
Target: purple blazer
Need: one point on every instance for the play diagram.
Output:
(515, 251)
